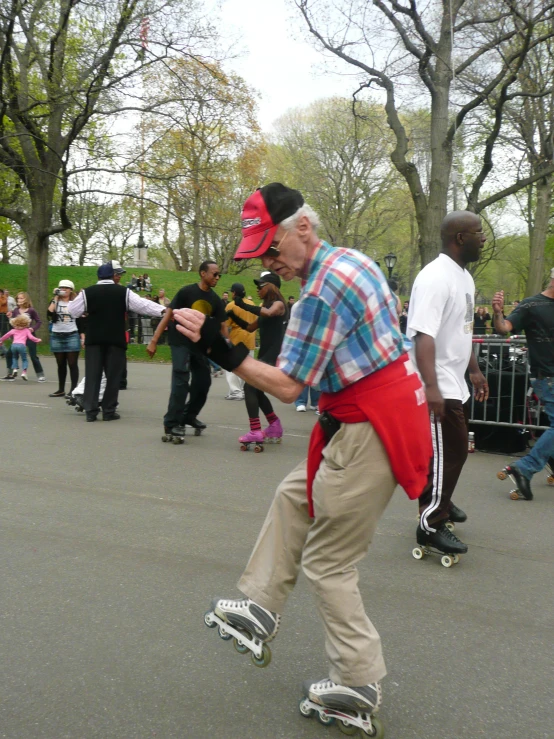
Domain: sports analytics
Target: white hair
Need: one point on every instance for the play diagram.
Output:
(304, 210)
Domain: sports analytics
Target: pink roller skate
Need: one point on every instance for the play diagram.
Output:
(252, 437)
(274, 432)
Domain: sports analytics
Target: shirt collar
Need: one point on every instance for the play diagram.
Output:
(316, 255)
(105, 282)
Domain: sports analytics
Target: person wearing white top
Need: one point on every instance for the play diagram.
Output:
(440, 322)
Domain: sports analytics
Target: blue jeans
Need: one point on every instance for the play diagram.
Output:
(544, 448)
(302, 399)
(19, 350)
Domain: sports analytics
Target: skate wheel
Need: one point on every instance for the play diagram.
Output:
(240, 648)
(456, 558)
(208, 620)
(447, 561)
(278, 441)
(418, 553)
(265, 659)
(244, 447)
(305, 708)
(514, 495)
(550, 480)
(258, 448)
(164, 439)
(177, 440)
(450, 526)
(501, 475)
(224, 635)
(378, 728)
(197, 432)
(347, 728)
(325, 719)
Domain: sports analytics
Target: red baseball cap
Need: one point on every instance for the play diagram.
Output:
(261, 215)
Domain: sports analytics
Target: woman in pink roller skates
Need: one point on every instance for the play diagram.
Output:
(272, 322)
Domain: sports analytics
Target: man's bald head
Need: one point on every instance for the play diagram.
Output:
(462, 236)
(459, 221)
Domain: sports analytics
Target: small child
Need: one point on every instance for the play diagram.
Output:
(20, 332)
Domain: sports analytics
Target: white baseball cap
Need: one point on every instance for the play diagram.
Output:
(66, 283)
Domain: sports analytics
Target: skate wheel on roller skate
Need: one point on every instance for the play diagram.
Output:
(224, 635)
(346, 728)
(325, 719)
(450, 526)
(258, 448)
(447, 561)
(265, 659)
(244, 447)
(378, 728)
(208, 620)
(456, 558)
(165, 438)
(514, 495)
(240, 648)
(197, 432)
(501, 475)
(550, 480)
(418, 553)
(305, 709)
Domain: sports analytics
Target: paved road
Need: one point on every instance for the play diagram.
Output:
(113, 545)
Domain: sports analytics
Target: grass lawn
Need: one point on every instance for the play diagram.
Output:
(13, 277)
(135, 353)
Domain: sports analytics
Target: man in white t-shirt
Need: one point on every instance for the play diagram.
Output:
(440, 322)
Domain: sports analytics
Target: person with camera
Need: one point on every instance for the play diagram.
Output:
(65, 340)
(535, 316)
(106, 305)
(343, 336)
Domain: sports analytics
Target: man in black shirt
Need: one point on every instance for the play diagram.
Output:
(535, 316)
(190, 366)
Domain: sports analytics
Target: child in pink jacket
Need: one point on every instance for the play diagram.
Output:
(20, 332)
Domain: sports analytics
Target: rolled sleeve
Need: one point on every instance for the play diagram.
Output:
(312, 336)
(142, 306)
(77, 307)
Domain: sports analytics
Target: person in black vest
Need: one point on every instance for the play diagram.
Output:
(106, 304)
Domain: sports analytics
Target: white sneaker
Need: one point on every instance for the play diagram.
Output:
(301, 409)
(41, 378)
(24, 375)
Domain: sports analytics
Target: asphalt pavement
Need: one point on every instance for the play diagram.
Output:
(113, 545)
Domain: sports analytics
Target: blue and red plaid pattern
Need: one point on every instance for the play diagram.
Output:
(344, 325)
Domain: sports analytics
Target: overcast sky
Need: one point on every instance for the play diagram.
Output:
(279, 60)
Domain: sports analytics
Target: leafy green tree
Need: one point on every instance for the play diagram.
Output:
(63, 63)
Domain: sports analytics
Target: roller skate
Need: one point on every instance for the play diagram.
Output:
(250, 625)
(252, 438)
(550, 470)
(350, 708)
(273, 433)
(455, 515)
(443, 542)
(175, 435)
(522, 491)
(194, 423)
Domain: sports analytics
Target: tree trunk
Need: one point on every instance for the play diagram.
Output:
(5, 253)
(83, 253)
(537, 236)
(37, 279)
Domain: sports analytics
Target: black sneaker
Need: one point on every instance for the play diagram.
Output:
(111, 417)
(194, 422)
(10, 377)
(91, 417)
(456, 515)
(523, 484)
(442, 539)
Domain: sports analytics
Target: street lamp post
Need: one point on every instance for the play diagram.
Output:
(390, 261)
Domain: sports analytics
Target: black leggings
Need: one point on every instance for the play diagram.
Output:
(64, 359)
(255, 401)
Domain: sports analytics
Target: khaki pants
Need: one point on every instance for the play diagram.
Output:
(351, 490)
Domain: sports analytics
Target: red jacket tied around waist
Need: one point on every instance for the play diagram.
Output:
(393, 401)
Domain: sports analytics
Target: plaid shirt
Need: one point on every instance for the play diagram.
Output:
(344, 325)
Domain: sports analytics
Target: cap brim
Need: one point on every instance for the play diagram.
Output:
(120, 272)
(256, 245)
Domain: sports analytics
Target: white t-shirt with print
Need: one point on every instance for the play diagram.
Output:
(441, 305)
